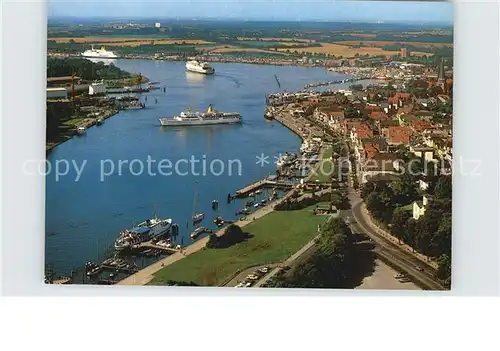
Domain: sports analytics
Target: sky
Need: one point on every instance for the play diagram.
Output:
(294, 10)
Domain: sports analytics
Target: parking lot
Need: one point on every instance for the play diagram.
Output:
(386, 278)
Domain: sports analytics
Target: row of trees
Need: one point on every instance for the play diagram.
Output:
(85, 69)
(329, 266)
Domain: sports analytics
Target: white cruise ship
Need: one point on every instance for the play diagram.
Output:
(144, 231)
(101, 53)
(190, 118)
(199, 67)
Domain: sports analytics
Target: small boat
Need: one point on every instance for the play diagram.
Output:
(249, 203)
(92, 268)
(256, 205)
(81, 130)
(219, 221)
(262, 202)
(215, 204)
(198, 217)
(99, 121)
(198, 231)
(257, 192)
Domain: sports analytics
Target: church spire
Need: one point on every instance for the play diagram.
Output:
(441, 70)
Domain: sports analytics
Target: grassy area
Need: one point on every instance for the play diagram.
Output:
(274, 237)
(324, 169)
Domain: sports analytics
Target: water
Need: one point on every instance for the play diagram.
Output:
(84, 217)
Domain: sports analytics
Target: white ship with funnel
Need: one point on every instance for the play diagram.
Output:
(144, 231)
(101, 53)
(199, 67)
(190, 118)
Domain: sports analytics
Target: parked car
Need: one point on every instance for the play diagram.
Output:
(252, 277)
(264, 270)
(418, 268)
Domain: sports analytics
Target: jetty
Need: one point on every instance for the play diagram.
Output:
(263, 183)
(150, 245)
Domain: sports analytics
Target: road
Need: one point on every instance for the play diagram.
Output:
(388, 250)
(288, 262)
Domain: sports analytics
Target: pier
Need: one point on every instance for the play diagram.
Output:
(263, 183)
(150, 245)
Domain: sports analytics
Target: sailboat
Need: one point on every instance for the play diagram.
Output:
(197, 217)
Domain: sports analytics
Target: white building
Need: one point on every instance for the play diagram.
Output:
(97, 88)
(419, 207)
(57, 93)
(157, 25)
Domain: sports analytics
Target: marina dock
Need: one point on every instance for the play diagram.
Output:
(150, 245)
(263, 183)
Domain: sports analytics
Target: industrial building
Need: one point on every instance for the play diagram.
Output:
(97, 88)
(57, 93)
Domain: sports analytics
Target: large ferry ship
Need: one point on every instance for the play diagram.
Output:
(99, 53)
(199, 67)
(144, 231)
(212, 116)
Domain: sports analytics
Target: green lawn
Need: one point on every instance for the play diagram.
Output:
(325, 168)
(275, 237)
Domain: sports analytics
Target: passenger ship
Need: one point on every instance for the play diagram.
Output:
(212, 116)
(101, 53)
(199, 67)
(144, 231)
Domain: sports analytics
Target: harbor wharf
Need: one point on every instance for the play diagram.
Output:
(150, 245)
(262, 183)
(120, 269)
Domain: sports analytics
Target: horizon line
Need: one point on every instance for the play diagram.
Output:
(214, 19)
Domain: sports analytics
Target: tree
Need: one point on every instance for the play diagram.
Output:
(367, 189)
(444, 269)
(213, 241)
(399, 219)
(443, 187)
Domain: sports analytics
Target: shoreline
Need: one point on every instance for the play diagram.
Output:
(146, 274)
(50, 147)
(254, 61)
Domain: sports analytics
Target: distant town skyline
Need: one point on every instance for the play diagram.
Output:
(305, 10)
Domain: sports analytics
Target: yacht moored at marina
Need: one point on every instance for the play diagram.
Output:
(99, 53)
(144, 231)
(199, 67)
(190, 118)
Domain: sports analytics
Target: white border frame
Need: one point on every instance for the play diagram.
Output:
(475, 201)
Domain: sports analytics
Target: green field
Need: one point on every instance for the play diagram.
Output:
(324, 169)
(275, 237)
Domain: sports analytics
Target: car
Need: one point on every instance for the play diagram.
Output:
(264, 270)
(252, 277)
(249, 284)
(418, 268)
(399, 276)
(404, 280)
(258, 273)
(240, 285)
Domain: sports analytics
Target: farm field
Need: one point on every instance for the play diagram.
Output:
(130, 41)
(376, 43)
(347, 51)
